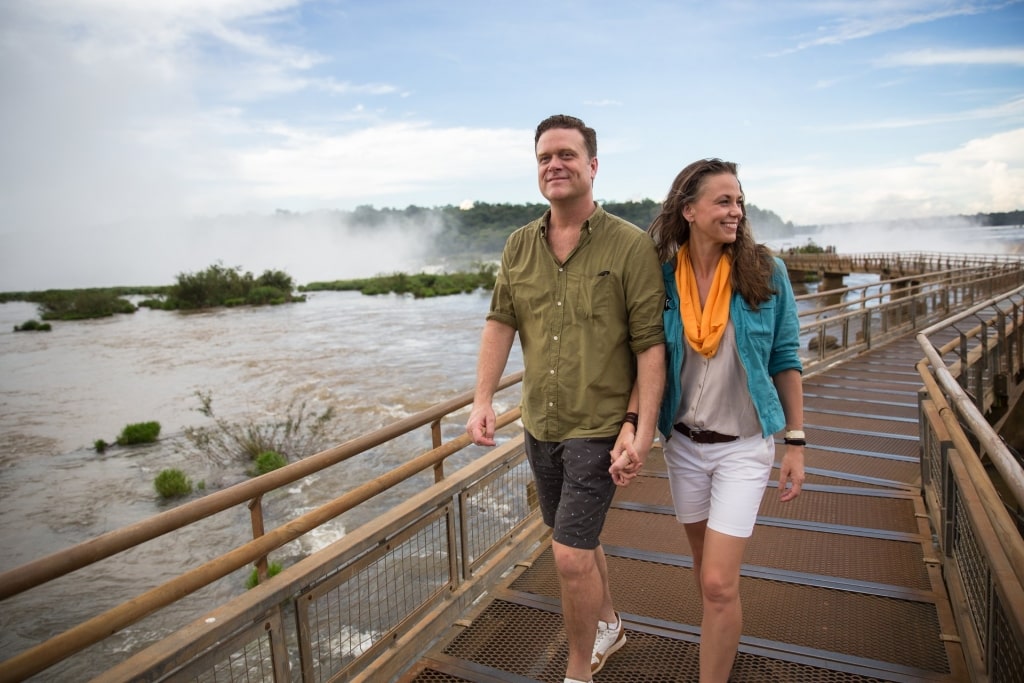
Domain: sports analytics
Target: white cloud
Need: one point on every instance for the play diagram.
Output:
(936, 57)
(1011, 110)
(860, 19)
(381, 160)
(984, 175)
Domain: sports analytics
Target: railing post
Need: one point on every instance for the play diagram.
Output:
(435, 438)
(979, 373)
(961, 378)
(256, 519)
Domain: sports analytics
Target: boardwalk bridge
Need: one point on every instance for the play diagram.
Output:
(902, 560)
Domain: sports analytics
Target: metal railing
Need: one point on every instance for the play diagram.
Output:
(389, 588)
(330, 616)
(891, 264)
(973, 367)
(249, 493)
(840, 323)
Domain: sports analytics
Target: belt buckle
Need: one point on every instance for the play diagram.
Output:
(696, 435)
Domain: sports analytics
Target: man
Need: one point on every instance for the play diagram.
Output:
(583, 289)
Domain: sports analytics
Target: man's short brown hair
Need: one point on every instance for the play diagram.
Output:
(572, 123)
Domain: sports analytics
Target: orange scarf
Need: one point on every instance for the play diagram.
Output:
(703, 328)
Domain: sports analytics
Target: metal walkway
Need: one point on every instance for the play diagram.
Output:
(842, 584)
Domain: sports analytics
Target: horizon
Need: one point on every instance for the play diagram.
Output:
(124, 123)
(955, 235)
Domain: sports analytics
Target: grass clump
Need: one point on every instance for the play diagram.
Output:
(172, 483)
(33, 326)
(140, 432)
(100, 445)
(268, 461)
(300, 432)
(273, 569)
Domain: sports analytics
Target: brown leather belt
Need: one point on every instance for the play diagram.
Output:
(703, 435)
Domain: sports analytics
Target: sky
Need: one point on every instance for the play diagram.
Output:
(140, 140)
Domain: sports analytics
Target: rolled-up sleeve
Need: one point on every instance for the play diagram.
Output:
(645, 292)
(785, 354)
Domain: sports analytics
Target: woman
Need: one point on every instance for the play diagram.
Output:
(733, 380)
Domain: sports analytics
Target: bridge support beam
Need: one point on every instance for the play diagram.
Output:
(900, 289)
(829, 282)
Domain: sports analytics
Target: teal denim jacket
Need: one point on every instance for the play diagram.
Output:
(768, 342)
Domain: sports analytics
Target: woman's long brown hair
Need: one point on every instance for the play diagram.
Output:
(752, 263)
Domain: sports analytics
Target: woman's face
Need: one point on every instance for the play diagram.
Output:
(714, 217)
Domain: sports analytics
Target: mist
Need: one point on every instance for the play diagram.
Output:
(310, 247)
(946, 235)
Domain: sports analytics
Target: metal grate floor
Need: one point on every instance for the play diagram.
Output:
(838, 586)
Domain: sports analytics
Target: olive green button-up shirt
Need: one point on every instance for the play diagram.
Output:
(580, 323)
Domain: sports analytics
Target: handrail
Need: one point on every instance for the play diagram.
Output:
(993, 446)
(923, 260)
(44, 569)
(900, 305)
(1006, 531)
(982, 550)
(65, 644)
(253, 605)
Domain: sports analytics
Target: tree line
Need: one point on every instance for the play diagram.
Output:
(481, 230)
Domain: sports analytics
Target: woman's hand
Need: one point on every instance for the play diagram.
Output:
(791, 471)
(626, 461)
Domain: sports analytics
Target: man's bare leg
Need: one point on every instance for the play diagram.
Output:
(583, 596)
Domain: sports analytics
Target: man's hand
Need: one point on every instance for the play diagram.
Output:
(481, 424)
(626, 461)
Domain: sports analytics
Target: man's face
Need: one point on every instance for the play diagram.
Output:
(564, 169)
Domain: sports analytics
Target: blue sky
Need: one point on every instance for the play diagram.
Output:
(124, 120)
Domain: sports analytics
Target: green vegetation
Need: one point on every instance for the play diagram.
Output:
(811, 248)
(421, 285)
(273, 569)
(80, 304)
(222, 286)
(38, 296)
(32, 326)
(100, 445)
(215, 286)
(483, 228)
(140, 432)
(172, 483)
(268, 461)
(301, 432)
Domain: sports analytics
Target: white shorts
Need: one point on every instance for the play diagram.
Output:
(720, 482)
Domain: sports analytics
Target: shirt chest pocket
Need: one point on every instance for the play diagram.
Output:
(596, 294)
(759, 326)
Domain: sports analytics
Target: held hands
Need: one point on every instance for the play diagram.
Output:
(481, 424)
(627, 460)
(791, 470)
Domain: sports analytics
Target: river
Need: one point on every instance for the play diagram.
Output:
(373, 359)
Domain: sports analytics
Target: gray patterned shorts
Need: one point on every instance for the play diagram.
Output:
(574, 487)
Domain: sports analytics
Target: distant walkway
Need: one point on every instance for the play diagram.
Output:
(832, 267)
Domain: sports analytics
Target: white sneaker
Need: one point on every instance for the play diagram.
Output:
(573, 680)
(609, 640)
